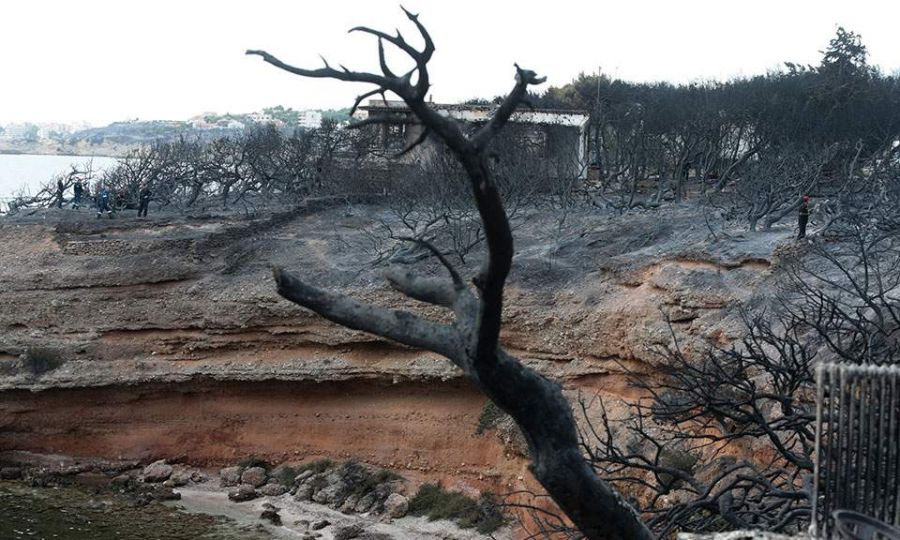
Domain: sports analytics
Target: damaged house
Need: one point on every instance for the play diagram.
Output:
(547, 143)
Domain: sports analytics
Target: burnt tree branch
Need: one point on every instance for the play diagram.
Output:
(472, 341)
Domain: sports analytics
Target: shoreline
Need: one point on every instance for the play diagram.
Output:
(210, 501)
(8, 152)
(48, 148)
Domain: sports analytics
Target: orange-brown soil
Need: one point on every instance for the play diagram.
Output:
(422, 431)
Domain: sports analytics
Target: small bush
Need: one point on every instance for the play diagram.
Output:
(490, 517)
(285, 475)
(317, 466)
(254, 461)
(373, 480)
(39, 360)
(437, 503)
(490, 415)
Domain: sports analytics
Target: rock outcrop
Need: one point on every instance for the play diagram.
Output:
(255, 476)
(167, 337)
(242, 492)
(158, 471)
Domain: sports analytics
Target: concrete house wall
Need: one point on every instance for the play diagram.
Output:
(563, 133)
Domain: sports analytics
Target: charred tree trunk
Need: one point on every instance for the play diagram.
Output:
(471, 341)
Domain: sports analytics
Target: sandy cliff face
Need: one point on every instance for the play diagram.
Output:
(165, 337)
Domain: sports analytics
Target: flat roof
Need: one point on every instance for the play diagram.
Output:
(395, 105)
(482, 112)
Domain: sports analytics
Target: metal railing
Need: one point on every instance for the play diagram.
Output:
(857, 444)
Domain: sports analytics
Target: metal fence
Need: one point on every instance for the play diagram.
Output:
(857, 443)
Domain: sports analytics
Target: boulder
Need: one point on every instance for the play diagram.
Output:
(243, 492)
(396, 505)
(272, 516)
(198, 477)
(230, 476)
(284, 474)
(270, 513)
(273, 489)
(302, 477)
(346, 532)
(304, 493)
(321, 524)
(180, 477)
(349, 504)
(332, 494)
(340, 483)
(365, 503)
(158, 471)
(255, 476)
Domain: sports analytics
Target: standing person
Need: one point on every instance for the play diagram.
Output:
(144, 199)
(803, 217)
(103, 202)
(78, 190)
(60, 189)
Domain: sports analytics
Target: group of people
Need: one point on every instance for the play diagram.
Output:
(105, 203)
(103, 198)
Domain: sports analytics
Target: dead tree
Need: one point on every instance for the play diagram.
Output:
(471, 340)
(846, 292)
(772, 185)
(721, 442)
(725, 439)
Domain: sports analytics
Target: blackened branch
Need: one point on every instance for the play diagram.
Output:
(398, 325)
(519, 93)
(458, 282)
(327, 72)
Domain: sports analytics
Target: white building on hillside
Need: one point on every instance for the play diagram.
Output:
(310, 119)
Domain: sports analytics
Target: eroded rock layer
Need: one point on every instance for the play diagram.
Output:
(166, 338)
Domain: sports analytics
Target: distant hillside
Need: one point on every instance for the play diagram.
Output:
(138, 133)
(118, 138)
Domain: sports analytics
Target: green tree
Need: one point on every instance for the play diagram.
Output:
(845, 57)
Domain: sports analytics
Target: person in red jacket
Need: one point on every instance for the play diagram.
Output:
(803, 217)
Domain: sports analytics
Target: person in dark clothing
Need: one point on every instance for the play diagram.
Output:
(144, 199)
(685, 170)
(803, 217)
(104, 203)
(60, 189)
(78, 190)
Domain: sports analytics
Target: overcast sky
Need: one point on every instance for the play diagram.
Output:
(101, 61)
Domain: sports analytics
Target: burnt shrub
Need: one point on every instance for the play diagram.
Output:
(490, 415)
(40, 360)
(316, 466)
(434, 501)
(285, 474)
(369, 480)
(254, 461)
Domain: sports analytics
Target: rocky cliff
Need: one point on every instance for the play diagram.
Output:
(164, 337)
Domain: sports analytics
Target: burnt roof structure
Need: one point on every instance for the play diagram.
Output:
(569, 143)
